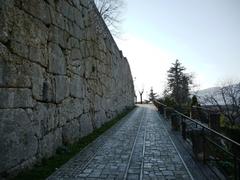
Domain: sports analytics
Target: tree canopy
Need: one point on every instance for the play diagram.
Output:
(111, 12)
(179, 82)
(227, 101)
(152, 95)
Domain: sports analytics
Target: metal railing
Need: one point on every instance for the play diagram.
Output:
(210, 146)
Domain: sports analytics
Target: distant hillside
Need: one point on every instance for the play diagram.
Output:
(208, 91)
(213, 91)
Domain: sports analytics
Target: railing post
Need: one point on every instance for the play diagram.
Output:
(183, 129)
(236, 163)
(161, 109)
(168, 112)
(235, 168)
(194, 113)
(175, 122)
(238, 168)
(201, 136)
(204, 146)
(214, 121)
(165, 113)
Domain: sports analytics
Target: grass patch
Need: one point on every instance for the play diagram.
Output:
(47, 166)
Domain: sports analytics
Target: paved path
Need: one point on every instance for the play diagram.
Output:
(138, 147)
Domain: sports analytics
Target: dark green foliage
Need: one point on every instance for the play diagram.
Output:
(194, 101)
(169, 101)
(178, 84)
(152, 95)
(64, 153)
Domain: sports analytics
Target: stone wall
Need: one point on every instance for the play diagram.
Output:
(61, 76)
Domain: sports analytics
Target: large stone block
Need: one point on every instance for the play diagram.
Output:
(13, 75)
(75, 62)
(38, 9)
(38, 55)
(4, 52)
(75, 55)
(44, 115)
(26, 29)
(85, 3)
(50, 142)
(78, 18)
(5, 7)
(77, 87)
(57, 63)
(37, 80)
(76, 3)
(58, 36)
(73, 43)
(57, 18)
(85, 125)
(15, 98)
(100, 118)
(17, 140)
(62, 7)
(70, 109)
(71, 131)
(84, 49)
(61, 87)
(20, 49)
(2, 67)
(77, 68)
(90, 68)
(77, 31)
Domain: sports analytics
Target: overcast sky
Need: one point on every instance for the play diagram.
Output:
(203, 34)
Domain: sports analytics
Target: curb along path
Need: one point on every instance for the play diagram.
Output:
(138, 147)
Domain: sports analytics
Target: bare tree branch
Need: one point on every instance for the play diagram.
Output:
(227, 100)
(111, 12)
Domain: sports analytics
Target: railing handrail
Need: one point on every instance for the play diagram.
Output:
(202, 125)
(206, 109)
(160, 103)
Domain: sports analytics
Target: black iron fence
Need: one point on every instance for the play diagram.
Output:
(213, 148)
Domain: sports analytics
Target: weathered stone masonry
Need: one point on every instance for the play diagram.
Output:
(61, 76)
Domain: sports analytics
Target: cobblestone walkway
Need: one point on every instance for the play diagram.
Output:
(138, 147)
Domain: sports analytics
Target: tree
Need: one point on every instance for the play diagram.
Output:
(152, 95)
(178, 86)
(227, 101)
(111, 12)
(167, 100)
(194, 101)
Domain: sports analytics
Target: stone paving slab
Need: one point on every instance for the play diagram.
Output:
(138, 147)
(198, 169)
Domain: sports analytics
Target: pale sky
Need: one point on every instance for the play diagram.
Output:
(203, 34)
